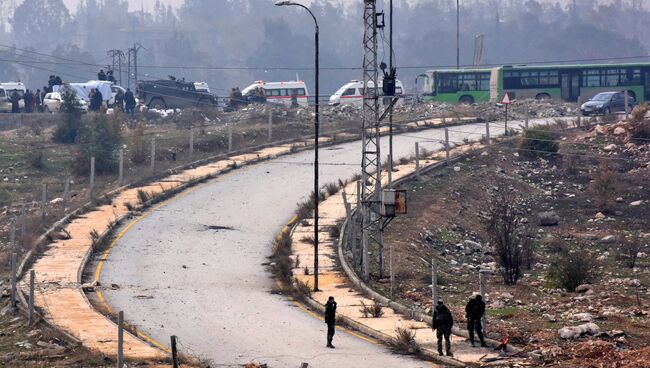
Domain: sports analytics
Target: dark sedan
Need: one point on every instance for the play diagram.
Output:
(606, 103)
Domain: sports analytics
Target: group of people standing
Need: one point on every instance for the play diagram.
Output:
(33, 101)
(442, 322)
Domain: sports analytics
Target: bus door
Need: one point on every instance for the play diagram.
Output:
(646, 79)
(570, 82)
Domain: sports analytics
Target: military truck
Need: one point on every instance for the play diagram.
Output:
(172, 93)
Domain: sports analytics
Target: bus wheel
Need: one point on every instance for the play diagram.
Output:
(466, 100)
(543, 96)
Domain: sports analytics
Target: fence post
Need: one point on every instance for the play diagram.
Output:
(417, 159)
(270, 125)
(23, 225)
(12, 235)
(92, 177)
(66, 192)
(153, 154)
(120, 340)
(44, 199)
(627, 99)
(191, 142)
(481, 288)
(120, 178)
(579, 119)
(174, 352)
(447, 145)
(527, 117)
(487, 133)
(230, 137)
(13, 279)
(32, 277)
(434, 285)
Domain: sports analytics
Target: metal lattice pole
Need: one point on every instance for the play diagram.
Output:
(371, 159)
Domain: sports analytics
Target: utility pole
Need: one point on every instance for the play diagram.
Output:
(457, 34)
(133, 53)
(371, 221)
(116, 58)
(390, 113)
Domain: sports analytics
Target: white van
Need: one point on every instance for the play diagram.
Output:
(352, 93)
(6, 89)
(281, 92)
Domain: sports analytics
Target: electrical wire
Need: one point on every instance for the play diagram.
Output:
(290, 68)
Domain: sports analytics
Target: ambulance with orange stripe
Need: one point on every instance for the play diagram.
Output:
(352, 93)
(280, 92)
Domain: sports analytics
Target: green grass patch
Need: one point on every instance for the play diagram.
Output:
(502, 313)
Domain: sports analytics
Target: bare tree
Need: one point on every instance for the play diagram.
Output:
(505, 229)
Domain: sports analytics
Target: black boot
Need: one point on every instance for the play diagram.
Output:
(440, 352)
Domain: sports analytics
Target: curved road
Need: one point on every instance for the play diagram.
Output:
(178, 276)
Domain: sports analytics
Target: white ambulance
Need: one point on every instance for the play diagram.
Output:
(6, 89)
(352, 93)
(280, 92)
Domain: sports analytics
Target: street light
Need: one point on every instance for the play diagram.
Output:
(316, 136)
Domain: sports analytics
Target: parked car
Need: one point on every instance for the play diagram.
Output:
(173, 93)
(606, 103)
(53, 100)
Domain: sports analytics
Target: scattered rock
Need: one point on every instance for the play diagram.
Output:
(583, 288)
(636, 203)
(610, 147)
(582, 317)
(608, 239)
(549, 218)
(620, 131)
(574, 332)
(619, 200)
(507, 296)
(600, 216)
(601, 129)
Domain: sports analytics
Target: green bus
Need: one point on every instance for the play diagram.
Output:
(558, 82)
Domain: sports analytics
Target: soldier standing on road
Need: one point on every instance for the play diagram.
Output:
(129, 100)
(119, 100)
(474, 312)
(330, 319)
(15, 99)
(28, 98)
(442, 322)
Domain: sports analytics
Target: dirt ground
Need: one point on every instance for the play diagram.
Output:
(445, 221)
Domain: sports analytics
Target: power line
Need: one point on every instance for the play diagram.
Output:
(333, 68)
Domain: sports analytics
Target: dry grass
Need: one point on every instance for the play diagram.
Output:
(404, 342)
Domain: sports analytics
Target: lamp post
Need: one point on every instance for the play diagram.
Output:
(316, 135)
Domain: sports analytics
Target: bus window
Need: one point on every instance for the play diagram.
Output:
(2, 93)
(348, 92)
(300, 91)
(447, 83)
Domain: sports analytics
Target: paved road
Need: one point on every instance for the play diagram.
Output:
(177, 276)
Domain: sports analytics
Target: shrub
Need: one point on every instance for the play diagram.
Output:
(143, 196)
(504, 227)
(375, 310)
(629, 250)
(331, 188)
(36, 159)
(137, 147)
(70, 125)
(100, 137)
(540, 141)
(303, 288)
(604, 186)
(404, 342)
(570, 269)
(638, 113)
